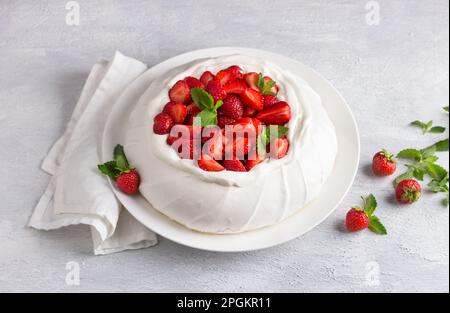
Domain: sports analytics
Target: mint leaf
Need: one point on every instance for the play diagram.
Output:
(376, 226)
(370, 204)
(261, 145)
(428, 127)
(202, 99)
(410, 154)
(445, 109)
(109, 169)
(437, 130)
(407, 175)
(441, 146)
(206, 118)
(436, 171)
(218, 105)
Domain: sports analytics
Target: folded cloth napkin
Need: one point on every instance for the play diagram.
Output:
(77, 193)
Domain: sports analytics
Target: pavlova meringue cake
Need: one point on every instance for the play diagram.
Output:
(200, 179)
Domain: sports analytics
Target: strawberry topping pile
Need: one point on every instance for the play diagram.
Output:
(230, 120)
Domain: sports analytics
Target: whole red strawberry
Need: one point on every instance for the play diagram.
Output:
(408, 191)
(361, 218)
(128, 182)
(383, 163)
(356, 220)
(222, 121)
(232, 107)
(126, 177)
(270, 100)
(216, 90)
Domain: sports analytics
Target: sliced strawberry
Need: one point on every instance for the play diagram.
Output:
(252, 79)
(188, 152)
(236, 71)
(224, 76)
(213, 146)
(234, 165)
(180, 92)
(162, 123)
(216, 90)
(223, 120)
(177, 112)
(236, 86)
(207, 163)
(207, 77)
(247, 122)
(251, 163)
(178, 131)
(278, 114)
(192, 109)
(269, 101)
(253, 99)
(275, 88)
(194, 82)
(249, 112)
(279, 147)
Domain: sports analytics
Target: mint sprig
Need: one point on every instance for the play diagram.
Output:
(265, 86)
(445, 109)
(422, 163)
(428, 127)
(267, 134)
(205, 102)
(117, 166)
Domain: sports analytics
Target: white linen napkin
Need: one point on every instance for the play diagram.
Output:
(77, 193)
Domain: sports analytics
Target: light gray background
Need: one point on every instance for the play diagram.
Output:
(390, 75)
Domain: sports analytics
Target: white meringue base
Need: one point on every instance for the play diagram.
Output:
(231, 202)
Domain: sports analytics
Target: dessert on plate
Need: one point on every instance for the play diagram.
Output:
(230, 144)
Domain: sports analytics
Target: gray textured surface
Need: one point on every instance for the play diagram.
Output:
(390, 74)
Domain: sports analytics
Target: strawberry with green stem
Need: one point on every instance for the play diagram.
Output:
(126, 177)
(361, 218)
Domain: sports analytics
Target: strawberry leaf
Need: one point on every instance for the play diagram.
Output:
(109, 169)
(376, 226)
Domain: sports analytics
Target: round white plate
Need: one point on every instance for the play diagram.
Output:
(310, 216)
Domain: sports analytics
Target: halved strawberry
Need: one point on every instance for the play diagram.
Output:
(252, 79)
(188, 152)
(234, 165)
(216, 90)
(269, 101)
(177, 112)
(278, 114)
(279, 147)
(178, 131)
(207, 163)
(194, 82)
(224, 76)
(162, 123)
(249, 112)
(252, 162)
(236, 71)
(253, 99)
(247, 122)
(207, 77)
(213, 146)
(223, 120)
(236, 86)
(192, 109)
(275, 88)
(180, 92)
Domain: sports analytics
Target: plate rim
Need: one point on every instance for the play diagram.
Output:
(130, 204)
